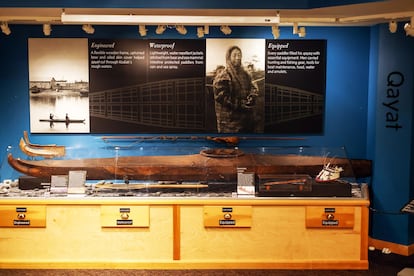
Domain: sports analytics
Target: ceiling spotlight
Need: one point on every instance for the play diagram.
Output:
(160, 29)
(200, 32)
(392, 26)
(5, 28)
(206, 29)
(302, 32)
(181, 29)
(409, 27)
(87, 28)
(47, 29)
(275, 31)
(277, 20)
(142, 30)
(225, 29)
(295, 28)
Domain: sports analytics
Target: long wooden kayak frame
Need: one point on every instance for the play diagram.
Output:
(193, 167)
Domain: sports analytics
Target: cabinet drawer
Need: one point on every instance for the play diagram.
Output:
(330, 217)
(227, 216)
(125, 216)
(23, 216)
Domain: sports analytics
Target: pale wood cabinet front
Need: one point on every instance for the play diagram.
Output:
(74, 236)
(278, 237)
(184, 233)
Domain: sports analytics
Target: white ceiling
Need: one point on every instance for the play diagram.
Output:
(354, 15)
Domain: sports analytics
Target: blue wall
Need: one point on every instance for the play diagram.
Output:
(357, 60)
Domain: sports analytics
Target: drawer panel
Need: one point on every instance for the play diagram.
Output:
(227, 216)
(125, 216)
(22, 216)
(330, 217)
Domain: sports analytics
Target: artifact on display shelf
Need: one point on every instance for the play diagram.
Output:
(245, 183)
(284, 184)
(59, 184)
(208, 165)
(76, 182)
(46, 151)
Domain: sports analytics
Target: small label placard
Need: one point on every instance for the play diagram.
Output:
(18, 222)
(227, 222)
(21, 209)
(330, 222)
(124, 222)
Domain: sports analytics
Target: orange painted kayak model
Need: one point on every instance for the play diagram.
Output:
(208, 165)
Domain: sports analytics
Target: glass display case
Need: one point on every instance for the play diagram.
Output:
(178, 166)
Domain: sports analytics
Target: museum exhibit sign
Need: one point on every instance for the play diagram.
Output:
(173, 86)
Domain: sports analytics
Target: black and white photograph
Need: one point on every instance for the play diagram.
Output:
(235, 78)
(58, 85)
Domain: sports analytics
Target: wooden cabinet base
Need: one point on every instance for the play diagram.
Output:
(197, 233)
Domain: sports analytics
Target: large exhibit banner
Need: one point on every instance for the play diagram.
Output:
(178, 86)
